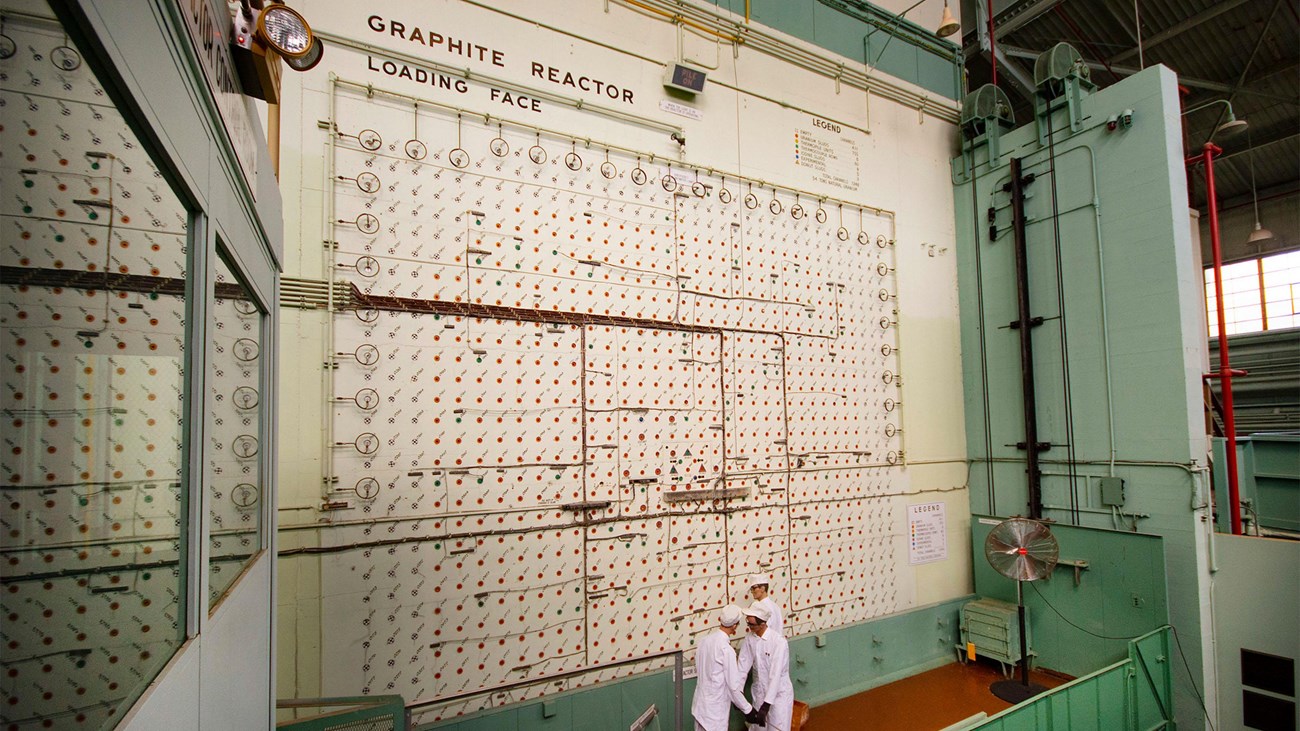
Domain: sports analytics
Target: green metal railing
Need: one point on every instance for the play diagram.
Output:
(1135, 694)
(357, 713)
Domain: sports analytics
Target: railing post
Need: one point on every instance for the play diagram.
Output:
(677, 691)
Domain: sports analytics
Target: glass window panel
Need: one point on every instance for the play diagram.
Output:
(234, 432)
(1282, 289)
(92, 331)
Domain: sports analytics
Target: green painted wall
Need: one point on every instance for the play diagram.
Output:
(851, 660)
(1120, 595)
(867, 34)
(1268, 474)
(1131, 695)
(1119, 357)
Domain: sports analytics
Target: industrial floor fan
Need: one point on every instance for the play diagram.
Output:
(1024, 550)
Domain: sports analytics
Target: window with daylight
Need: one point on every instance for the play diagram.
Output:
(1258, 294)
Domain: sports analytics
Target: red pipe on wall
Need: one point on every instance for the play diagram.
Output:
(1225, 371)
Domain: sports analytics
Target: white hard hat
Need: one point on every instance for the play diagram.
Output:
(758, 579)
(730, 615)
(758, 611)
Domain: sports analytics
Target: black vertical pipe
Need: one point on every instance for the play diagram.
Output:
(1024, 322)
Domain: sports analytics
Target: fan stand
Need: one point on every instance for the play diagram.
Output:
(1019, 691)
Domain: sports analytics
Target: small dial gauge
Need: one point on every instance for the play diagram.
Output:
(244, 495)
(245, 397)
(368, 182)
(366, 443)
(367, 488)
(367, 223)
(66, 58)
(246, 350)
(367, 398)
(368, 266)
(416, 150)
(244, 446)
(370, 139)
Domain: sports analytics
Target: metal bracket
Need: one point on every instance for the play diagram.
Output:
(1078, 565)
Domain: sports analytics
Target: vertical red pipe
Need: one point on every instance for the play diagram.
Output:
(1225, 369)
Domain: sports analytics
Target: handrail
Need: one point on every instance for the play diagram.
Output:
(1129, 715)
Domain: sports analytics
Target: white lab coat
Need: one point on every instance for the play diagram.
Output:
(773, 621)
(719, 683)
(769, 656)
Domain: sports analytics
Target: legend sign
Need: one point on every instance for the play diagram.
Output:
(927, 533)
(831, 157)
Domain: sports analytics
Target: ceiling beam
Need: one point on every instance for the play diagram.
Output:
(1259, 145)
(1009, 21)
(1178, 29)
(1219, 86)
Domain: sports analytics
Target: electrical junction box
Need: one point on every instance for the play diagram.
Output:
(684, 78)
(1112, 491)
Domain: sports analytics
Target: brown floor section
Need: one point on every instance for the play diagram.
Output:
(925, 702)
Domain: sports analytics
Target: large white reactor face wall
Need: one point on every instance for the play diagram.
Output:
(579, 390)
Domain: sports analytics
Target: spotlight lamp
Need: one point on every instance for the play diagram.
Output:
(284, 31)
(263, 33)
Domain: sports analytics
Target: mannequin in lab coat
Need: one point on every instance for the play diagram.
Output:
(768, 654)
(758, 589)
(718, 682)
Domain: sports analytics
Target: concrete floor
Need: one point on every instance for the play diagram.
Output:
(926, 702)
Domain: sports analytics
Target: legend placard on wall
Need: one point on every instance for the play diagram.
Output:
(831, 157)
(927, 533)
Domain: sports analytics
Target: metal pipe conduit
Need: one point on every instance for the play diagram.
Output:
(745, 35)
(426, 702)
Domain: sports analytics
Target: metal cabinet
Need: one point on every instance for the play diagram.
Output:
(993, 628)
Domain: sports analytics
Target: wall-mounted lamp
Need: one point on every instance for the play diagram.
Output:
(1231, 126)
(259, 42)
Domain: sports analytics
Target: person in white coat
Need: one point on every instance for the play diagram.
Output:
(768, 654)
(758, 589)
(719, 683)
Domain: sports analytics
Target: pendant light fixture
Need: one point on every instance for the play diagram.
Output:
(947, 24)
(1260, 234)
